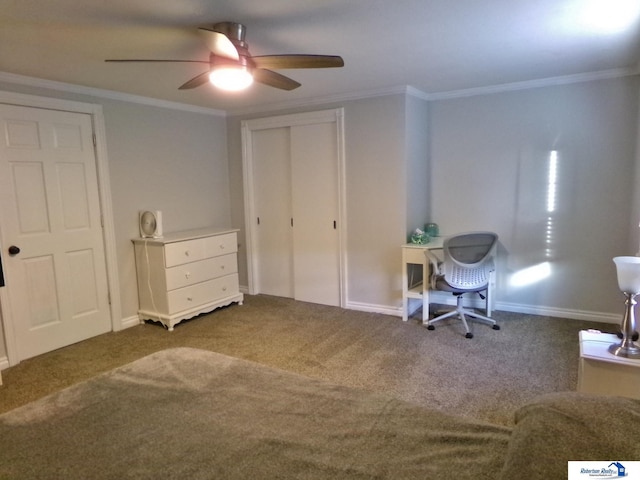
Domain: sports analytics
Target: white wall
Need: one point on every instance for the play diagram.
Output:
(481, 162)
(165, 160)
(377, 149)
(417, 193)
(376, 202)
(489, 171)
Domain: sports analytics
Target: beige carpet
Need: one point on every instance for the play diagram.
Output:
(192, 414)
(487, 377)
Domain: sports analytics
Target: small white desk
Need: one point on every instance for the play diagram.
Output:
(603, 373)
(414, 254)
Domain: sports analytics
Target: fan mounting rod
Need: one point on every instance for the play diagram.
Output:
(232, 30)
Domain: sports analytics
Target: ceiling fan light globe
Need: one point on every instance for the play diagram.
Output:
(233, 78)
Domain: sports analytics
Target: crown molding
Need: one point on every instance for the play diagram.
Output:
(530, 84)
(448, 95)
(321, 100)
(108, 94)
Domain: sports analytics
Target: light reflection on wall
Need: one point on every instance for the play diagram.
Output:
(530, 275)
(552, 185)
(536, 273)
(606, 16)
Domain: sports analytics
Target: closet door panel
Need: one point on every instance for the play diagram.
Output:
(314, 173)
(272, 197)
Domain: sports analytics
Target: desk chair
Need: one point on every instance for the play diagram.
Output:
(468, 263)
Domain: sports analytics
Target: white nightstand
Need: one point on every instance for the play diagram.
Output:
(602, 372)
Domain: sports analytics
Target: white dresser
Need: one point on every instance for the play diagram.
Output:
(186, 273)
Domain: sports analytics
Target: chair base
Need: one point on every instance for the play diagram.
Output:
(462, 313)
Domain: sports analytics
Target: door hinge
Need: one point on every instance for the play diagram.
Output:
(258, 220)
(95, 140)
(292, 222)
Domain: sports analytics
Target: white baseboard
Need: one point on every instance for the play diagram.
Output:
(560, 312)
(130, 321)
(447, 299)
(371, 308)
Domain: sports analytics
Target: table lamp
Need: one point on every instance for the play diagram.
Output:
(628, 269)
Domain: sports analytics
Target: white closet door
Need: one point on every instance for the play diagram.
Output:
(294, 169)
(316, 246)
(271, 155)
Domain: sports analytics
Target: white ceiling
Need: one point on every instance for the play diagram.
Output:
(432, 45)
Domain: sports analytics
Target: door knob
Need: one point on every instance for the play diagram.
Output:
(13, 250)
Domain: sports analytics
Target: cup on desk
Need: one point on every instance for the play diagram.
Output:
(432, 229)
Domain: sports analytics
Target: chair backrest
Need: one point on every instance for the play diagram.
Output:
(468, 259)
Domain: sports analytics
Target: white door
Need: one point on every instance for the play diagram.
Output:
(272, 194)
(49, 210)
(316, 245)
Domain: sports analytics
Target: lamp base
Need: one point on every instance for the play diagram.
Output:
(628, 350)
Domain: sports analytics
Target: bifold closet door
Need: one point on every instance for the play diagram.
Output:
(316, 247)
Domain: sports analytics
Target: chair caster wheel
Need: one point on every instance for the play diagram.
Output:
(469, 335)
(496, 327)
(430, 327)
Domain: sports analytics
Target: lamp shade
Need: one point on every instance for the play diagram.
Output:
(628, 269)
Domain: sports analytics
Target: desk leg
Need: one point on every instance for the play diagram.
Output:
(405, 291)
(426, 284)
(490, 290)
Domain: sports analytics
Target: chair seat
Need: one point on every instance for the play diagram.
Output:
(441, 284)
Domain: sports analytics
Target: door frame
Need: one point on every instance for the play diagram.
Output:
(336, 116)
(104, 193)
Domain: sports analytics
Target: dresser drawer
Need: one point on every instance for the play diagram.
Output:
(179, 253)
(196, 272)
(202, 293)
(221, 245)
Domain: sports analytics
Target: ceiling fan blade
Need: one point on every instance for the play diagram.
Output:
(219, 44)
(297, 61)
(148, 60)
(273, 79)
(195, 81)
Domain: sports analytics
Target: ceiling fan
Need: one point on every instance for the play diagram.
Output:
(231, 62)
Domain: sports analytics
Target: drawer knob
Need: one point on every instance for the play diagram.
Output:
(187, 275)
(186, 252)
(189, 299)
(221, 267)
(222, 246)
